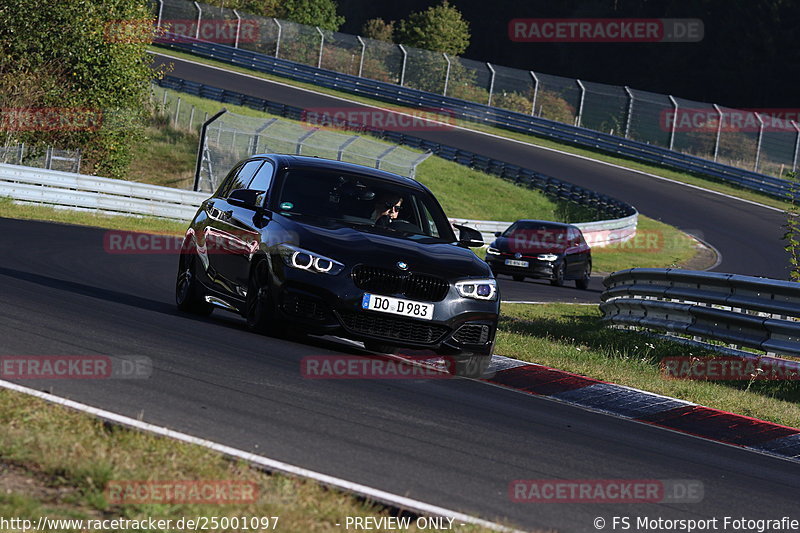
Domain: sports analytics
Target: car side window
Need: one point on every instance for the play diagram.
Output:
(244, 176)
(263, 178)
(225, 186)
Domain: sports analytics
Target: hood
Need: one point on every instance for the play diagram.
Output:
(352, 246)
(529, 246)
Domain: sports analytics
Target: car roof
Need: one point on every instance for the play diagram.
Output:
(546, 222)
(298, 161)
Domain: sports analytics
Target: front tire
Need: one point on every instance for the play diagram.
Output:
(583, 283)
(258, 308)
(189, 295)
(558, 280)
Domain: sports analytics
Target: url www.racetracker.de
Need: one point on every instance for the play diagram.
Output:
(199, 523)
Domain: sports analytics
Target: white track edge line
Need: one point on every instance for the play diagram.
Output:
(455, 126)
(270, 464)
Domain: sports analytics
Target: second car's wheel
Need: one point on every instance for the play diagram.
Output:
(558, 276)
(188, 292)
(518, 277)
(583, 282)
(258, 308)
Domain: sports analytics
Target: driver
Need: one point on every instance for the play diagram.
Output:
(387, 205)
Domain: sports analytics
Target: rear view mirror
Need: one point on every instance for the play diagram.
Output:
(469, 237)
(247, 198)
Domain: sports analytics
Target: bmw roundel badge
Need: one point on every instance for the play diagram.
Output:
(402, 265)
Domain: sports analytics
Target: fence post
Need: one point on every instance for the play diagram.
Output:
(191, 118)
(674, 121)
(160, 11)
(238, 28)
(719, 131)
(403, 68)
(491, 83)
(177, 110)
(164, 102)
(202, 147)
(630, 111)
(321, 45)
(760, 136)
(796, 146)
(304, 138)
(344, 145)
(199, 19)
(278, 40)
(383, 154)
(363, 51)
(580, 103)
(259, 131)
(21, 153)
(48, 158)
(446, 74)
(535, 92)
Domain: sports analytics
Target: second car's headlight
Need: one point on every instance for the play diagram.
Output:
(492, 251)
(547, 257)
(479, 289)
(304, 260)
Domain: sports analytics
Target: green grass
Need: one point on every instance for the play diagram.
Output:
(573, 338)
(56, 462)
(700, 181)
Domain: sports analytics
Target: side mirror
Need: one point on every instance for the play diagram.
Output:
(468, 237)
(247, 198)
(497, 233)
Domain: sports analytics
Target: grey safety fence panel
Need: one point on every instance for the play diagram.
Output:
(78, 191)
(605, 206)
(648, 125)
(758, 313)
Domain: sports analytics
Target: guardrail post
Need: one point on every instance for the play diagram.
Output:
(535, 92)
(796, 146)
(760, 137)
(238, 29)
(446, 74)
(344, 145)
(630, 112)
(363, 52)
(321, 45)
(491, 83)
(403, 68)
(278, 40)
(301, 140)
(674, 121)
(719, 131)
(199, 19)
(386, 152)
(201, 148)
(580, 103)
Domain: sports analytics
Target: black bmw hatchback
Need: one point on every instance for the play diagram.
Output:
(334, 248)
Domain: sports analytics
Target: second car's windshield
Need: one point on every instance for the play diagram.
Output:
(363, 202)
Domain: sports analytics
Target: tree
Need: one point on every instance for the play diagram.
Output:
(71, 52)
(439, 28)
(378, 29)
(320, 13)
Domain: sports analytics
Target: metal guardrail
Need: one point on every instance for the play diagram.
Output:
(745, 311)
(484, 114)
(606, 206)
(91, 193)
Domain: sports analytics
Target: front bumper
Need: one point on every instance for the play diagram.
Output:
(536, 268)
(324, 304)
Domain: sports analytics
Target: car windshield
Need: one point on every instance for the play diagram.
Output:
(363, 202)
(536, 237)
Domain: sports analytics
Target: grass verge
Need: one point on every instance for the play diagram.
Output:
(56, 462)
(692, 179)
(573, 338)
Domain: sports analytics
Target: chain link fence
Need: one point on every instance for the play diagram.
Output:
(753, 139)
(40, 157)
(233, 137)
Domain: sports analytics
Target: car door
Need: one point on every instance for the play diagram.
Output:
(225, 236)
(578, 253)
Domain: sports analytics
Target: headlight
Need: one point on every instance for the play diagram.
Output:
(492, 251)
(479, 289)
(304, 260)
(547, 257)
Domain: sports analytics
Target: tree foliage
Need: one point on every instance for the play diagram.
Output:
(65, 57)
(439, 28)
(378, 29)
(320, 13)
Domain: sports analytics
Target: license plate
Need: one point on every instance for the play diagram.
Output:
(397, 306)
(516, 263)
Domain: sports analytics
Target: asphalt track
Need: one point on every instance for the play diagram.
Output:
(747, 236)
(455, 443)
